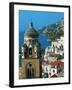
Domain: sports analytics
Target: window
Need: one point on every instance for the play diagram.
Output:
(30, 72)
(30, 51)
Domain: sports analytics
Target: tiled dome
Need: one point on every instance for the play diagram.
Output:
(32, 32)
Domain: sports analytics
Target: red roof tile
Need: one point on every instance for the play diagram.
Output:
(57, 62)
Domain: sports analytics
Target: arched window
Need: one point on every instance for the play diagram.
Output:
(30, 71)
(30, 51)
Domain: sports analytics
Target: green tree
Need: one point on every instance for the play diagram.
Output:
(61, 27)
(52, 32)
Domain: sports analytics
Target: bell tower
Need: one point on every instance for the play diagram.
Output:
(31, 64)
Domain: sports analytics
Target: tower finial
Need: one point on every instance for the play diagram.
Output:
(31, 24)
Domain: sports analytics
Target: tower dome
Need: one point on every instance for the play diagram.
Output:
(32, 33)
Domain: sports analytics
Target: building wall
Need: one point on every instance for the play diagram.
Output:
(35, 63)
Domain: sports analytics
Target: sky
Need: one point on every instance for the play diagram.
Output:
(38, 18)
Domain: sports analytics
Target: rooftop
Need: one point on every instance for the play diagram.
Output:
(56, 62)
